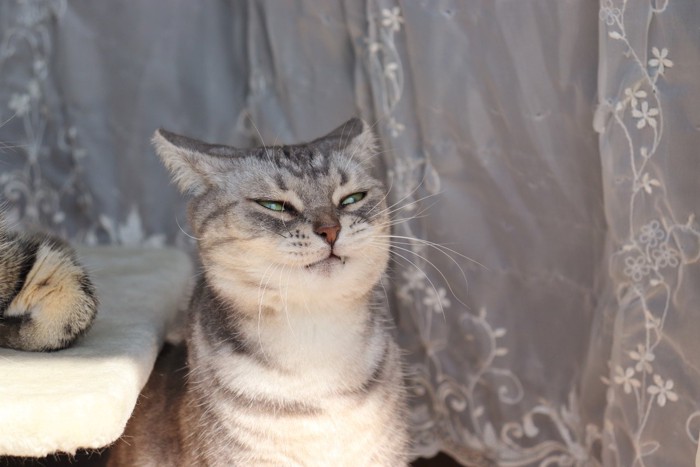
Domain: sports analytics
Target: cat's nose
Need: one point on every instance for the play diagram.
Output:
(329, 232)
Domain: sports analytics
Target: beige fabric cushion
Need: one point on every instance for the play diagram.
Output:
(82, 397)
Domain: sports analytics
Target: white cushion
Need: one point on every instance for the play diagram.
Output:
(83, 396)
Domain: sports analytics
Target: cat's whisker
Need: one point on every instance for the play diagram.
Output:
(416, 188)
(303, 296)
(381, 201)
(183, 230)
(352, 156)
(396, 221)
(394, 208)
(197, 274)
(274, 143)
(262, 141)
(267, 152)
(341, 143)
(289, 234)
(8, 120)
(285, 304)
(261, 297)
(381, 282)
(419, 214)
(391, 184)
(447, 282)
(437, 246)
(5, 146)
(432, 285)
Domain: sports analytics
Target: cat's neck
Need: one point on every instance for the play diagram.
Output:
(333, 346)
(275, 298)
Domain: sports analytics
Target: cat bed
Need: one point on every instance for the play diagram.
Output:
(82, 397)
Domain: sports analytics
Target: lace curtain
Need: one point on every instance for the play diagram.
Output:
(543, 151)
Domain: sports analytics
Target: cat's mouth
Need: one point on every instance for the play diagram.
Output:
(326, 263)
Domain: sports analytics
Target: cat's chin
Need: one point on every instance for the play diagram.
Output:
(327, 265)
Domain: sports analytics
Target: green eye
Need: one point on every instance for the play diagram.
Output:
(278, 206)
(353, 198)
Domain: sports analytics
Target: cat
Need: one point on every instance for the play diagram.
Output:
(287, 360)
(47, 300)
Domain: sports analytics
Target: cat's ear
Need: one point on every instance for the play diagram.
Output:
(194, 165)
(354, 137)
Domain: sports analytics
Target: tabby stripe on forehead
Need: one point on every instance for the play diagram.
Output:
(290, 167)
(280, 182)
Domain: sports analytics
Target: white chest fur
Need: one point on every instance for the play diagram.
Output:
(317, 360)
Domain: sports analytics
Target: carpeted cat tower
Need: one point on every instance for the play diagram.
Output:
(82, 397)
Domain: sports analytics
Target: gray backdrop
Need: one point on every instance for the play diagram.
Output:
(553, 142)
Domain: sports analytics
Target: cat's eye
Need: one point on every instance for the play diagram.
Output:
(278, 206)
(353, 198)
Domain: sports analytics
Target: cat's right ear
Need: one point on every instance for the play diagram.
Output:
(194, 165)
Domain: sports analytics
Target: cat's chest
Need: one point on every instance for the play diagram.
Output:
(347, 432)
(303, 357)
(315, 339)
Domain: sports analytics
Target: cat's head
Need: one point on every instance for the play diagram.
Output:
(305, 222)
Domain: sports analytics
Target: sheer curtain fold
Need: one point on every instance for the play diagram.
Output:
(649, 52)
(541, 151)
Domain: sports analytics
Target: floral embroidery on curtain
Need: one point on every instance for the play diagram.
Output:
(648, 264)
(43, 181)
(449, 412)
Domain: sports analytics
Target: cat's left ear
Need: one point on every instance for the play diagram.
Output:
(194, 165)
(354, 137)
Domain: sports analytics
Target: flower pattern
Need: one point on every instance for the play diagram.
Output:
(643, 357)
(391, 18)
(41, 139)
(648, 256)
(636, 267)
(436, 299)
(662, 390)
(665, 256)
(647, 183)
(645, 115)
(651, 234)
(626, 379)
(633, 94)
(20, 104)
(609, 13)
(660, 60)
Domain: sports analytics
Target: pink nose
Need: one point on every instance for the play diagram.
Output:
(328, 232)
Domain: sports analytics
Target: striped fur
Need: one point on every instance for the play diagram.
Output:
(286, 360)
(46, 298)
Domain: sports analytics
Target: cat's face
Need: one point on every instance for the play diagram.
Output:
(304, 223)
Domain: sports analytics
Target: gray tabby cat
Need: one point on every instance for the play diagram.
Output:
(46, 298)
(287, 361)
